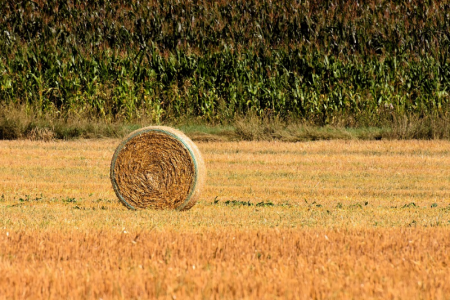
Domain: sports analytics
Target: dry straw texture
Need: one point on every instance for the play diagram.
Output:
(64, 235)
(157, 167)
(231, 263)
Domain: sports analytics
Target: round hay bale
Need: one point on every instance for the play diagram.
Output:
(157, 167)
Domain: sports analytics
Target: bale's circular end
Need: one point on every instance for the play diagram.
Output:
(157, 167)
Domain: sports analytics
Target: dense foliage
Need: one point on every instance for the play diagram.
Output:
(315, 60)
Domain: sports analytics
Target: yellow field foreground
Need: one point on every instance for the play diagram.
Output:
(328, 219)
(226, 264)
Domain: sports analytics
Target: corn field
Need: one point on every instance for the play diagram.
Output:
(318, 61)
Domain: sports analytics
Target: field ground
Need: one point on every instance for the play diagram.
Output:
(327, 219)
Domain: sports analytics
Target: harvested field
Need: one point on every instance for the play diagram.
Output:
(329, 219)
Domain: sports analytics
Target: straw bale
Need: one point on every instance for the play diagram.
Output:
(157, 167)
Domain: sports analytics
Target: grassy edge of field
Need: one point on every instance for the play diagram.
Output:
(24, 123)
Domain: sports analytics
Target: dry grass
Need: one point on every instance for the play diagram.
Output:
(226, 264)
(349, 219)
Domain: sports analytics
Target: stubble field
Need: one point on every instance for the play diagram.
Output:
(328, 219)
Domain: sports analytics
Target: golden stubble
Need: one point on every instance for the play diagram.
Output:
(350, 219)
(393, 263)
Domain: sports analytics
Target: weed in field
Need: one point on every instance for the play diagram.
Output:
(69, 200)
(246, 203)
(28, 198)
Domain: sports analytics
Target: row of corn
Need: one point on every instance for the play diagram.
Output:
(316, 60)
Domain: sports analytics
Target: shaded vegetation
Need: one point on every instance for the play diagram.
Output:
(372, 63)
